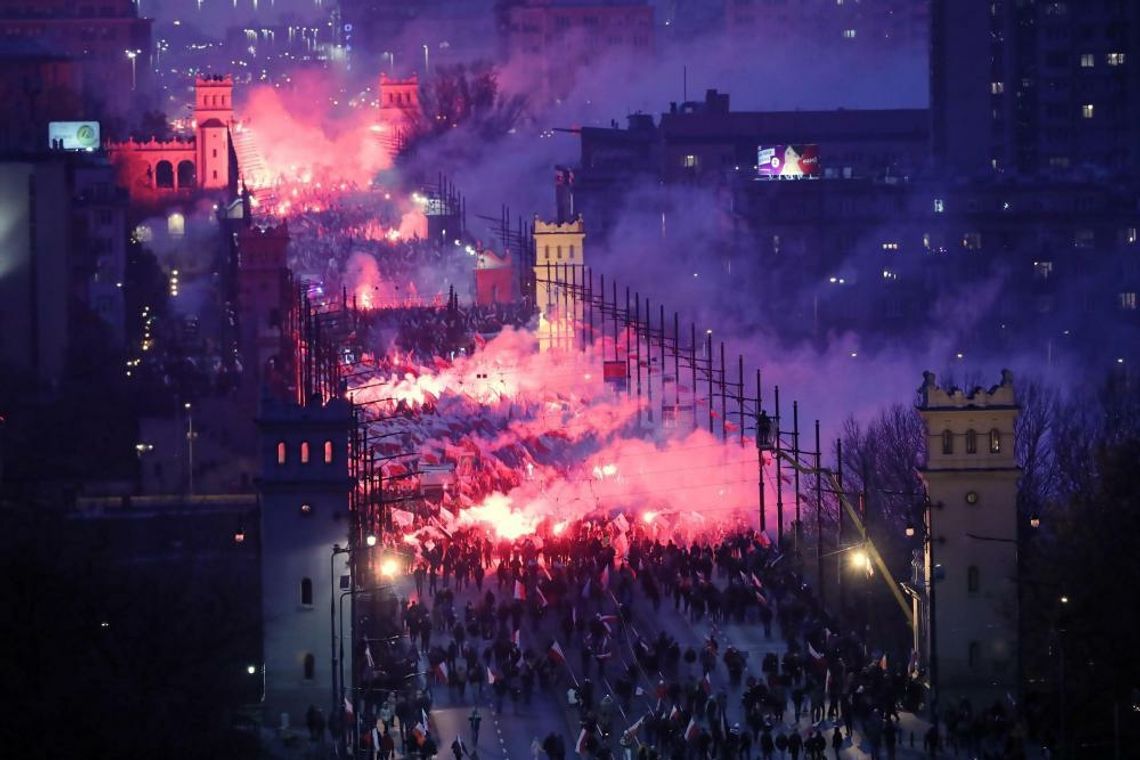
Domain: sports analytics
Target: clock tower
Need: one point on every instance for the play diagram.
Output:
(971, 564)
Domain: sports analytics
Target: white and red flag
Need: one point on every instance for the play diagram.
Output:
(556, 653)
(692, 730)
(520, 591)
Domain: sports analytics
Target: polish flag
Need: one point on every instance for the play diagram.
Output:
(692, 730)
(516, 637)
(491, 677)
(814, 654)
(674, 713)
(347, 707)
(556, 653)
(520, 591)
(756, 581)
(883, 661)
(605, 580)
(580, 745)
(632, 730)
(706, 684)
(441, 673)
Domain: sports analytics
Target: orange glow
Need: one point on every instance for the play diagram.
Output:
(497, 514)
(559, 528)
(648, 517)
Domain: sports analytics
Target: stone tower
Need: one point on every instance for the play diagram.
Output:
(971, 477)
(213, 117)
(304, 491)
(265, 309)
(559, 258)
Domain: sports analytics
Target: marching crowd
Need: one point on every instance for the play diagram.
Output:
(496, 621)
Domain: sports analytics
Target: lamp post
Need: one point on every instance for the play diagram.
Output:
(132, 55)
(336, 549)
(427, 67)
(929, 582)
(189, 446)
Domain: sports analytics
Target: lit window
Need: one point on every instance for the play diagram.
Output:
(304, 452)
(1087, 110)
(1042, 269)
(890, 246)
(973, 579)
(1127, 300)
(939, 206)
(848, 34)
(997, 88)
(310, 667)
(1115, 59)
(947, 442)
(971, 442)
(307, 592)
(689, 161)
(1129, 235)
(282, 449)
(1088, 60)
(972, 241)
(995, 441)
(328, 452)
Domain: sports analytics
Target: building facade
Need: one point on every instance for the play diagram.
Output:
(1035, 88)
(154, 171)
(108, 37)
(557, 38)
(971, 604)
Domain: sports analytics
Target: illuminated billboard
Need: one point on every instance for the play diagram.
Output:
(73, 135)
(788, 161)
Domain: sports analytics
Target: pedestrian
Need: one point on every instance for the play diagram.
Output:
(475, 720)
(457, 748)
(837, 742)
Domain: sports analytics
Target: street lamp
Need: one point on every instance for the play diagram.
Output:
(132, 55)
(189, 445)
(336, 549)
(426, 66)
(370, 540)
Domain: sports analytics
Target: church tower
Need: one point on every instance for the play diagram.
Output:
(304, 492)
(971, 476)
(559, 260)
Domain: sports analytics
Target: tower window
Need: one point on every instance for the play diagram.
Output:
(307, 592)
(310, 666)
(328, 452)
(973, 579)
(571, 253)
(558, 249)
(1088, 60)
(947, 442)
(971, 442)
(282, 449)
(304, 452)
(995, 441)
(1087, 111)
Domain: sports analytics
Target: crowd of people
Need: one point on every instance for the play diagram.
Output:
(494, 621)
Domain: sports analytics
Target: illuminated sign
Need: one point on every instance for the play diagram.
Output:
(73, 135)
(788, 161)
